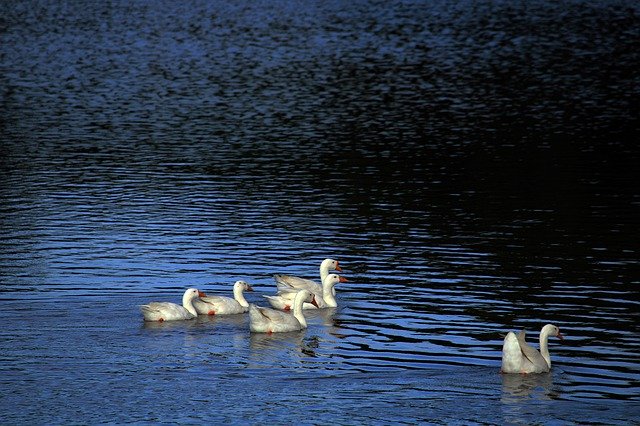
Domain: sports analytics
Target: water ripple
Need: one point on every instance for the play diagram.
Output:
(469, 163)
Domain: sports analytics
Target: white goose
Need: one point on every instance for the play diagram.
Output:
(286, 282)
(325, 299)
(167, 311)
(265, 320)
(520, 357)
(222, 305)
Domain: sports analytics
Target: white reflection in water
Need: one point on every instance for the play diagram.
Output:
(518, 386)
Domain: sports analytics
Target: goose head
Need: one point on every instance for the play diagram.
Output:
(242, 286)
(308, 297)
(331, 265)
(191, 294)
(333, 279)
(553, 330)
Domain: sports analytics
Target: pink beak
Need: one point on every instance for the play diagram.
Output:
(249, 288)
(560, 336)
(343, 280)
(201, 294)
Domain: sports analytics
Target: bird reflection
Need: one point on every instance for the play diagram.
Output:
(327, 316)
(518, 386)
(169, 325)
(203, 322)
(297, 346)
(266, 341)
(329, 319)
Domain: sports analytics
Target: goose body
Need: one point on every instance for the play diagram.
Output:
(167, 311)
(288, 282)
(325, 298)
(266, 320)
(222, 305)
(519, 357)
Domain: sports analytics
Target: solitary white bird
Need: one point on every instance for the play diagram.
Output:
(222, 305)
(266, 320)
(286, 282)
(167, 311)
(520, 357)
(325, 299)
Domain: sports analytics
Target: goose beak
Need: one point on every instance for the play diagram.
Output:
(249, 288)
(314, 303)
(343, 280)
(560, 336)
(201, 294)
(338, 268)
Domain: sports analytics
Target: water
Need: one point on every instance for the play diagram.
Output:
(471, 164)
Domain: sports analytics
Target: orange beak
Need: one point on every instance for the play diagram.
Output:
(314, 303)
(249, 288)
(201, 294)
(343, 280)
(338, 268)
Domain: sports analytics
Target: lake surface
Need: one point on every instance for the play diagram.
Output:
(473, 165)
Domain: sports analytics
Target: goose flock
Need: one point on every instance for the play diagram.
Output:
(295, 294)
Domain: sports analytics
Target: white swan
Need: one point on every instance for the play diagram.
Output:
(265, 320)
(325, 299)
(222, 305)
(286, 282)
(520, 357)
(167, 311)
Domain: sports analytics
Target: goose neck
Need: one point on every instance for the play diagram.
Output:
(187, 303)
(297, 310)
(328, 296)
(324, 269)
(238, 294)
(544, 344)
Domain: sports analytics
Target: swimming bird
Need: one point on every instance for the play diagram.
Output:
(266, 320)
(519, 357)
(222, 305)
(325, 299)
(288, 281)
(167, 311)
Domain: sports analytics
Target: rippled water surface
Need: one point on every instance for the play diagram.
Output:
(472, 165)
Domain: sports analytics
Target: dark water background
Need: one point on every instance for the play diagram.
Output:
(472, 164)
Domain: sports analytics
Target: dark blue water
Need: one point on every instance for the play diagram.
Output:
(472, 165)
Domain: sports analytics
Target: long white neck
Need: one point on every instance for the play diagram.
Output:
(544, 347)
(238, 294)
(187, 303)
(324, 270)
(328, 294)
(297, 309)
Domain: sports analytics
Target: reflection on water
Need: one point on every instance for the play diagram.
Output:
(517, 386)
(264, 341)
(211, 322)
(471, 164)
